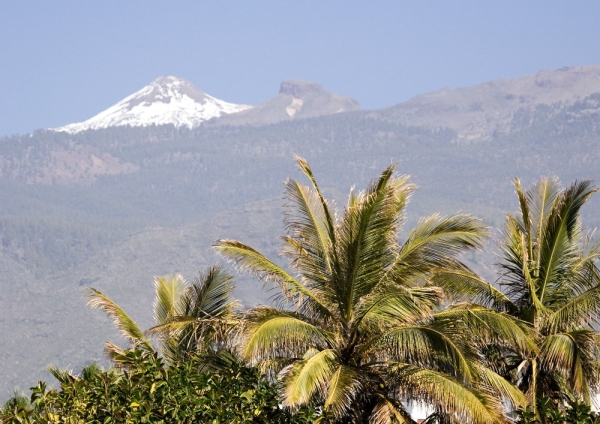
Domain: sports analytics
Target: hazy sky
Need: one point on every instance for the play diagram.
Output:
(65, 61)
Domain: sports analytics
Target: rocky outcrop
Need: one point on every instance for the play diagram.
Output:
(296, 100)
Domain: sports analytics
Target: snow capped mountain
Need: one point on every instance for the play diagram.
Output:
(166, 100)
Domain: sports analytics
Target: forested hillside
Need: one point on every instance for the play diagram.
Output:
(114, 207)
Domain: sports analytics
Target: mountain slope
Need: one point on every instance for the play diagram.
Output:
(161, 195)
(166, 100)
(496, 107)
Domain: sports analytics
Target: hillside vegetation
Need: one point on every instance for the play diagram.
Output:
(113, 208)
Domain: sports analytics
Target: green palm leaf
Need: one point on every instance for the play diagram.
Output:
(462, 284)
(271, 333)
(397, 305)
(567, 354)
(169, 290)
(488, 326)
(122, 322)
(388, 411)
(343, 387)
(541, 199)
(579, 311)
(557, 250)
(367, 235)
(194, 317)
(434, 243)
(330, 225)
(426, 347)
(306, 221)
(503, 387)
(308, 377)
(249, 259)
(448, 396)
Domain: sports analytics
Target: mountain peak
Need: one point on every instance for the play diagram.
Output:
(296, 99)
(166, 100)
(299, 88)
(169, 80)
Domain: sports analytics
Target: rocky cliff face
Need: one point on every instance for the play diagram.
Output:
(296, 100)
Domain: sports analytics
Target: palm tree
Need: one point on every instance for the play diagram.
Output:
(549, 273)
(191, 319)
(359, 327)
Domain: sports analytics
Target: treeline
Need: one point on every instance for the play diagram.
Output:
(47, 244)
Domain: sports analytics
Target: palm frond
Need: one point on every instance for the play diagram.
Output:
(425, 346)
(306, 222)
(342, 389)
(168, 289)
(567, 354)
(582, 310)
(249, 259)
(389, 411)
(113, 352)
(525, 221)
(541, 198)
(273, 334)
(585, 271)
(329, 219)
(502, 387)
(311, 276)
(462, 284)
(122, 322)
(557, 250)
(397, 305)
(210, 295)
(307, 378)
(447, 395)
(367, 238)
(519, 276)
(516, 256)
(490, 327)
(63, 376)
(206, 316)
(435, 242)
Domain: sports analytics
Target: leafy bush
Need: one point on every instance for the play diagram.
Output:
(576, 412)
(147, 391)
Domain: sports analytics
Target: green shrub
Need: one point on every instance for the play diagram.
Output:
(145, 391)
(576, 412)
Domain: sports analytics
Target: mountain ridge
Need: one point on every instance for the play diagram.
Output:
(476, 113)
(173, 100)
(483, 111)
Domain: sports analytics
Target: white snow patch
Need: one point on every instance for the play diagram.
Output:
(294, 107)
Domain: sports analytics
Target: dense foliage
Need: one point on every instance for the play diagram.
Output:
(147, 391)
(575, 412)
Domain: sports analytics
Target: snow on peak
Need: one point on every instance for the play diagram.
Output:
(166, 100)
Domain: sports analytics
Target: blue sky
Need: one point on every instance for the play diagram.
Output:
(65, 61)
